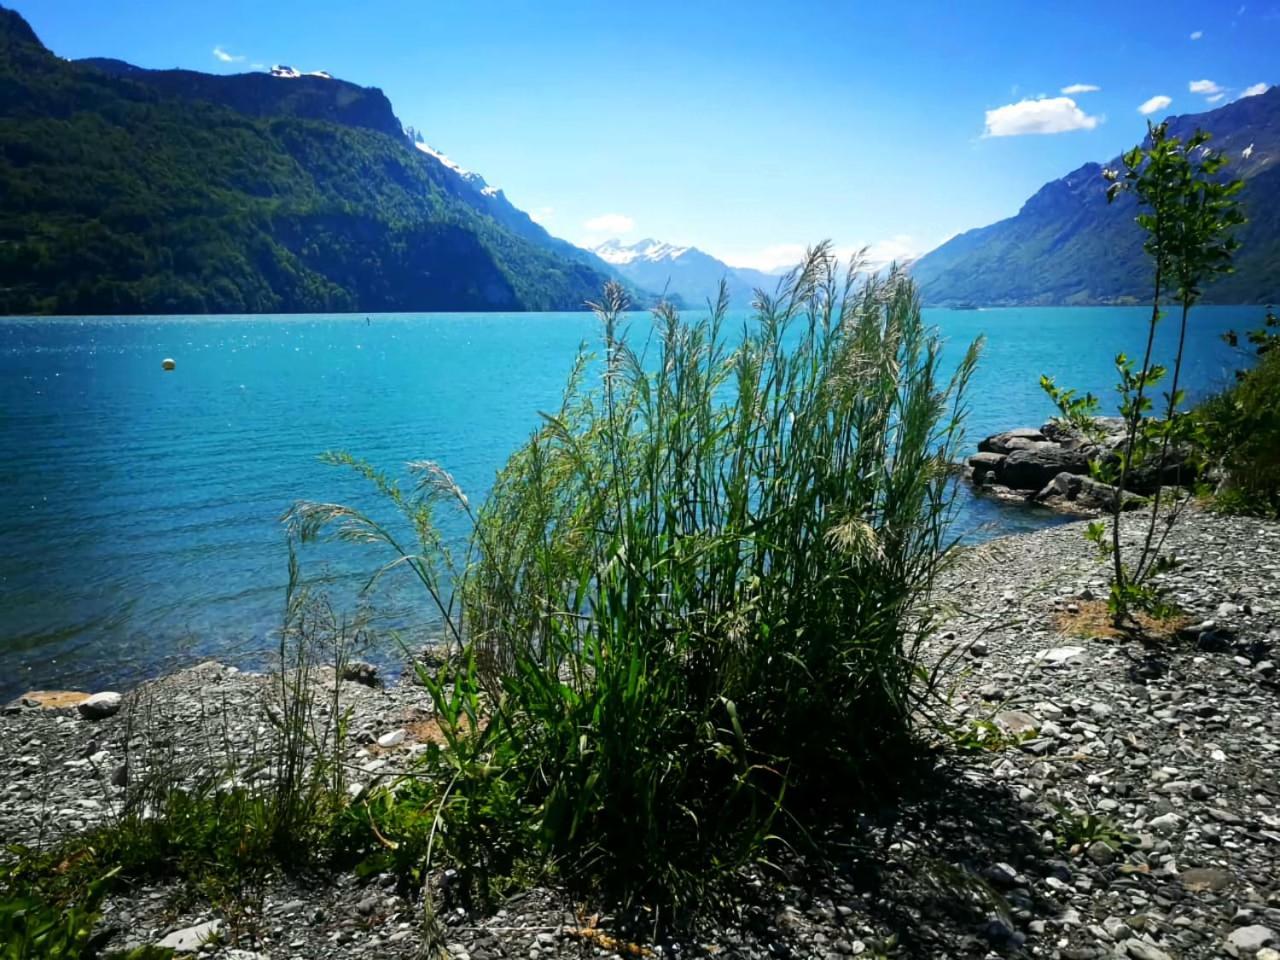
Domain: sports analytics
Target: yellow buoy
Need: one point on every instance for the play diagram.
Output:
(168, 363)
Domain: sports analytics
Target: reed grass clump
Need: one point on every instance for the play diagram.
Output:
(688, 614)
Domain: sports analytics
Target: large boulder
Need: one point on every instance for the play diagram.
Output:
(1073, 491)
(100, 705)
(984, 465)
(1107, 432)
(1033, 467)
(1011, 440)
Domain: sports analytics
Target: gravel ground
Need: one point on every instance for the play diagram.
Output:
(1173, 748)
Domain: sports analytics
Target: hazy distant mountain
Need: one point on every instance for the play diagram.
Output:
(685, 271)
(1067, 245)
(757, 279)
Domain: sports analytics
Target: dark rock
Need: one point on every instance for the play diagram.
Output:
(1101, 853)
(1147, 669)
(985, 464)
(358, 671)
(1074, 490)
(1214, 641)
(1034, 467)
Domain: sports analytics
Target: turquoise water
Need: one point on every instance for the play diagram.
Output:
(141, 509)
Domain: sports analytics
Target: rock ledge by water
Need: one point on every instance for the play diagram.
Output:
(1050, 466)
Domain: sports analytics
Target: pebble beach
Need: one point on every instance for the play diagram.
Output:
(1107, 798)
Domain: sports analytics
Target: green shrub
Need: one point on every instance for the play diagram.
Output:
(1239, 433)
(33, 927)
(689, 611)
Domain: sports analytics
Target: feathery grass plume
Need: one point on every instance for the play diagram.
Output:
(695, 596)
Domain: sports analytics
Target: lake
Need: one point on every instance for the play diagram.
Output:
(141, 507)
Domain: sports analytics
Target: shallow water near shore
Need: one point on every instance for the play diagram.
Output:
(141, 507)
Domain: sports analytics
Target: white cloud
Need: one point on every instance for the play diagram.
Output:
(1080, 88)
(1046, 115)
(1197, 34)
(1155, 103)
(893, 249)
(614, 223)
(780, 257)
(1204, 86)
(1215, 98)
(1256, 89)
(225, 57)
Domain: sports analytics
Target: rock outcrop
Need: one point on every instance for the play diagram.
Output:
(1051, 466)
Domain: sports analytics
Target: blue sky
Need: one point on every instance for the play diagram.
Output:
(746, 129)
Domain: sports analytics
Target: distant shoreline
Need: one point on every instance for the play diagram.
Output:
(359, 314)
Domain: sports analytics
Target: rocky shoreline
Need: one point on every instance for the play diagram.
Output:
(1050, 466)
(1128, 808)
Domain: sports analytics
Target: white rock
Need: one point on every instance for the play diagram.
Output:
(392, 739)
(100, 705)
(1061, 654)
(189, 939)
(1250, 939)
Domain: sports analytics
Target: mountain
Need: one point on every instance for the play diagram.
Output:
(687, 272)
(145, 191)
(1068, 246)
(474, 190)
(312, 96)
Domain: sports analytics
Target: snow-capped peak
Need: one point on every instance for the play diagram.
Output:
(618, 253)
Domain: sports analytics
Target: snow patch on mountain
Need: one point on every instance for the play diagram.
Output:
(472, 179)
(651, 251)
(291, 73)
